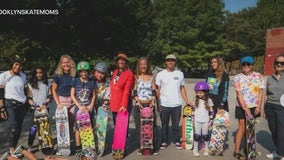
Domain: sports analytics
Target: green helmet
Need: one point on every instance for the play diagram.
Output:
(83, 65)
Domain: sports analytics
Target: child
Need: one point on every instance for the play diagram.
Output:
(83, 95)
(203, 115)
(41, 96)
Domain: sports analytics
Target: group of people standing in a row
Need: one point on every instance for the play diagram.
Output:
(167, 88)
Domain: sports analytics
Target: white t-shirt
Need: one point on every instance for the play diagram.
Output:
(14, 86)
(170, 83)
(201, 114)
(40, 94)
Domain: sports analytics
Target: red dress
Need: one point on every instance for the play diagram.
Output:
(120, 89)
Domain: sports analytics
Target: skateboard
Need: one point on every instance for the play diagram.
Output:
(62, 128)
(250, 138)
(119, 139)
(146, 131)
(85, 130)
(218, 134)
(187, 128)
(101, 127)
(45, 140)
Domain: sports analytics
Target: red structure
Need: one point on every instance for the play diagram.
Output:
(274, 46)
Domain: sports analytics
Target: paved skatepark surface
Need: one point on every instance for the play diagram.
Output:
(263, 136)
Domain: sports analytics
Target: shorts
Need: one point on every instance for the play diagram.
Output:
(240, 113)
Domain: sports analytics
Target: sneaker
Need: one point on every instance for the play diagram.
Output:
(139, 152)
(163, 146)
(155, 153)
(195, 153)
(206, 153)
(178, 146)
(5, 156)
(273, 155)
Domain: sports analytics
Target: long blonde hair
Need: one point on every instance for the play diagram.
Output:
(59, 70)
(220, 68)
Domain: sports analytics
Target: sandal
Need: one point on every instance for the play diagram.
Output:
(239, 156)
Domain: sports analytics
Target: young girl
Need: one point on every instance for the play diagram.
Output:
(83, 95)
(65, 72)
(41, 95)
(144, 93)
(203, 115)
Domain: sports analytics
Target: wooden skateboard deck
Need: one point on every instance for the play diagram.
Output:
(218, 134)
(62, 128)
(146, 131)
(119, 139)
(187, 128)
(101, 128)
(45, 140)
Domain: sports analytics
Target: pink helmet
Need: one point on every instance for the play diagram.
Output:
(201, 86)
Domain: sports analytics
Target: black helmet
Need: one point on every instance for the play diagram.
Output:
(17, 58)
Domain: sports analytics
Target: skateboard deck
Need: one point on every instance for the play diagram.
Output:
(119, 139)
(250, 137)
(218, 134)
(101, 127)
(62, 128)
(85, 130)
(45, 140)
(187, 128)
(146, 131)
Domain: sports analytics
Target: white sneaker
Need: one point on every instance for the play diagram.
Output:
(273, 155)
(206, 153)
(195, 153)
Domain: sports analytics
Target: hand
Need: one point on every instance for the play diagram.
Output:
(3, 113)
(42, 107)
(89, 108)
(122, 109)
(257, 111)
(247, 111)
(188, 103)
(59, 106)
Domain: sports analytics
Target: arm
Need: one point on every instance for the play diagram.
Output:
(126, 92)
(3, 112)
(242, 102)
(91, 106)
(55, 95)
(74, 99)
(184, 95)
(224, 90)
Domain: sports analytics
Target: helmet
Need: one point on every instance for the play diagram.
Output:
(201, 86)
(17, 58)
(83, 65)
(101, 67)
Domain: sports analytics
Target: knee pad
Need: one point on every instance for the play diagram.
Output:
(206, 137)
(197, 137)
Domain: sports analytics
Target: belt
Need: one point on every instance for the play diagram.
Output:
(14, 102)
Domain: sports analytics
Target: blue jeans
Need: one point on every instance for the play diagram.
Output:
(16, 114)
(174, 113)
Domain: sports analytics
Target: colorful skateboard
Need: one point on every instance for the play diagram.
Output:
(119, 138)
(44, 133)
(250, 137)
(101, 127)
(187, 128)
(85, 130)
(63, 135)
(146, 131)
(218, 134)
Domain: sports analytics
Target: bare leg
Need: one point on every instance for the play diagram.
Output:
(239, 135)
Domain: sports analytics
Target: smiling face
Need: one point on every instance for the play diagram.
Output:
(200, 94)
(170, 64)
(143, 66)
(214, 63)
(279, 64)
(84, 74)
(39, 74)
(66, 65)
(247, 68)
(16, 67)
(99, 75)
(121, 63)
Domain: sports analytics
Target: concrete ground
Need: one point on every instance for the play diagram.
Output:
(263, 136)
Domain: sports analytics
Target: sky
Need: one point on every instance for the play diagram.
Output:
(237, 5)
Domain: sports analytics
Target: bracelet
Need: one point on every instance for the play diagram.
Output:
(45, 103)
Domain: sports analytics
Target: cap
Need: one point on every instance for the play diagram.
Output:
(248, 59)
(171, 56)
(121, 55)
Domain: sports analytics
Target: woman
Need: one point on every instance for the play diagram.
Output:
(218, 82)
(120, 86)
(61, 86)
(144, 94)
(249, 86)
(274, 112)
(13, 89)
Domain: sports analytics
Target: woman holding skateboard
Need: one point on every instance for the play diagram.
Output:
(120, 86)
(249, 86)
(218, 82)
(144, 94)
(274, 112)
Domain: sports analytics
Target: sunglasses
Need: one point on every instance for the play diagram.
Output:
(278, 62)
(246, 64)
